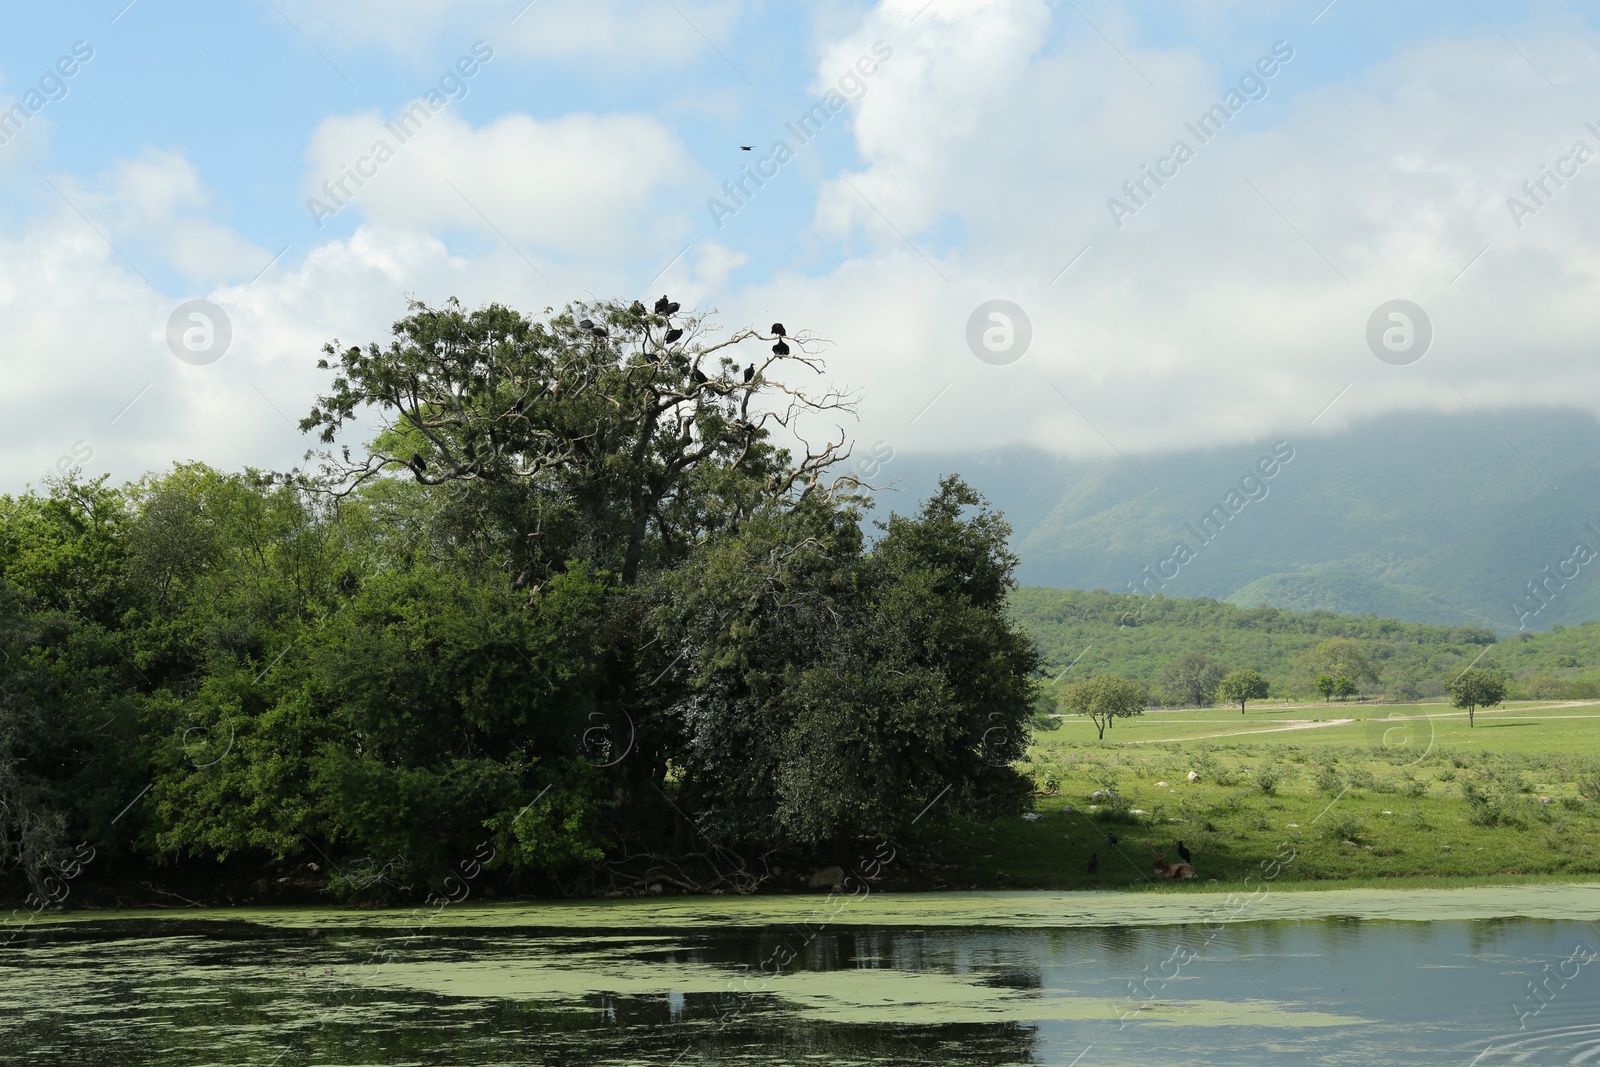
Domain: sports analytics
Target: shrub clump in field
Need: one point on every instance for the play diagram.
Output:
(1589, 785)
(1485, 808)
(1345, 827)
(1328, 780)
(1267, 778)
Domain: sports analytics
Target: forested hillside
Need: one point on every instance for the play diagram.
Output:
(1141, 637)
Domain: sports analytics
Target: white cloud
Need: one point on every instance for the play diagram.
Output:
(592, 187)
(1207, 317)
(992, 140)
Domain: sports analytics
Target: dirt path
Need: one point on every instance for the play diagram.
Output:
(1238, 733)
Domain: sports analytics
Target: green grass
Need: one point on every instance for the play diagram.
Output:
(1419, 795)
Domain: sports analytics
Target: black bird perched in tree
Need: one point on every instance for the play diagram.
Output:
(1094, 862)
(587, 324)
(418, 464)
(777, 329)
(750, 372)
(1111, 839)
(672, 335)
(1184, 853)
(780, 349)
(661, 305)
(699, 377)
(636, 307)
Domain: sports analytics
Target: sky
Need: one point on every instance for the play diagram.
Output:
(1093, 228)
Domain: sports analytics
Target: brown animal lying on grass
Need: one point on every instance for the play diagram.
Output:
(1171, 870)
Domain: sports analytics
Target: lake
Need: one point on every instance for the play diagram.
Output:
(1352, 976)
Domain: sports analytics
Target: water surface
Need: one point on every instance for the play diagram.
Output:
(962, 979)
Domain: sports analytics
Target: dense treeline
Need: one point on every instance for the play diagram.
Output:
(571, 602)
(1182, 648)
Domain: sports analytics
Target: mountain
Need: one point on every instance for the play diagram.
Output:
(1436, 518)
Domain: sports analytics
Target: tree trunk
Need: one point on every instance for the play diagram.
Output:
(1470, 710)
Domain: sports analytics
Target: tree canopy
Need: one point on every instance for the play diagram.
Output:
(1105, 698)
(1241, 685)
(1476, 687)
(572, 600)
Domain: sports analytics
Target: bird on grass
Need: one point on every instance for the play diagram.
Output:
(1111, 839)
(1094, 862)
(1183, 853)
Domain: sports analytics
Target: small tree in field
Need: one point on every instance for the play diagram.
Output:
(1325, 686)
(1344, 687)
(1474, 688)
(1106, 698)
(1241, 685)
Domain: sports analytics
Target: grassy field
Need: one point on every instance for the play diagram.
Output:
(1345, 793)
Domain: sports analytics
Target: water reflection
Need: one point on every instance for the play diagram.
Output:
(130, 993)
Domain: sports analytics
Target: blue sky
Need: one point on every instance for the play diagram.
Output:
(978, 162)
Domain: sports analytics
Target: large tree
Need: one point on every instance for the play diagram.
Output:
(1192, 678)
(1474, 688)
(1104, 698)
(829, 687)
(1338, 657)
(1242, 685)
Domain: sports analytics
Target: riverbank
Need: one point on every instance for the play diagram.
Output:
(868, 907)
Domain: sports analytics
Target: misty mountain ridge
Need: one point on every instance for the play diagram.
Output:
(1434, 518)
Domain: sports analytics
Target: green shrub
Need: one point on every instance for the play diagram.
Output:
(1267, 778)
(1329, 781)
(1485, 808)
(1589, 785)
(1344, 827)
(1416, 787)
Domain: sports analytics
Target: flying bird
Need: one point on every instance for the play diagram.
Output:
(1184, 853)
(1094, 862)
(747, 148)
(780, 349)
(750, 372)
(672, 335)
(777, 329)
